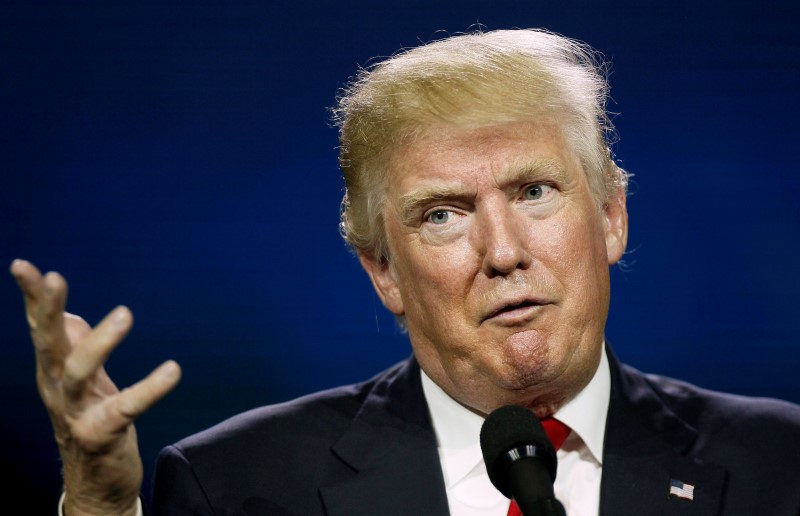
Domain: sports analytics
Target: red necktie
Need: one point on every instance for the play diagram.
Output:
(557, 432)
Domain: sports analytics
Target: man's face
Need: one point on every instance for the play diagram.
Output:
(499, 261)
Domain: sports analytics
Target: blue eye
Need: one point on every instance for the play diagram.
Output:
(534, 192)
(439, 216)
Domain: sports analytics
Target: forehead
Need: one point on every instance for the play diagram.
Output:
(487, 155)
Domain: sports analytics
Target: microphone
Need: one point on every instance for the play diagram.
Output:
(520, 460)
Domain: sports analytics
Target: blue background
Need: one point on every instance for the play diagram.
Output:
(177, 157)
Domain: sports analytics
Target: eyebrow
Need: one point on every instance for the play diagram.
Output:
(524, 171)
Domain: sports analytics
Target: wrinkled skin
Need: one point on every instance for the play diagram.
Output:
(499, 261)
(92, 419)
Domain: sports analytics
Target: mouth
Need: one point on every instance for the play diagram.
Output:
(515, 311)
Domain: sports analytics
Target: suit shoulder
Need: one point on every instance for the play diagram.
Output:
(725, 414)
(315, 419)
(278, 454)
(332, 407)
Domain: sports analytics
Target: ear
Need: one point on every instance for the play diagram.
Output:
(616, 219)
(384, 282)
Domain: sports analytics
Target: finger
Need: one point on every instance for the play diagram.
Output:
(102, 424)
(50, 335)
(95, 349)
(45, 298)
(76, 327)
(138, 398)
(29, 280)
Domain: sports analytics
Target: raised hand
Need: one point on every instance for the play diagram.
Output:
(92, 419)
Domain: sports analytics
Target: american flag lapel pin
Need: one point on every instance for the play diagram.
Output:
(681, 489)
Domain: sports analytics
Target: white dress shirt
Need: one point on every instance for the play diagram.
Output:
(577, 485)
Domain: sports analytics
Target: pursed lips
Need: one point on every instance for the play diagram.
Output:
(512, 307)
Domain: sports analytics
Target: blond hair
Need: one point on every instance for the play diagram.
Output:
(469, 80)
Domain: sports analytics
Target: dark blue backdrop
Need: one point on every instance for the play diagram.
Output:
(176, 157)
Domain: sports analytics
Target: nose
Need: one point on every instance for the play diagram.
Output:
(502, 241)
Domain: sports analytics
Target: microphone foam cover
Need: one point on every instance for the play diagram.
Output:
(506, 428)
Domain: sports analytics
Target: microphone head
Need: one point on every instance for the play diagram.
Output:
(512, 433)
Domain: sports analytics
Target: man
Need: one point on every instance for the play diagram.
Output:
(483, 202)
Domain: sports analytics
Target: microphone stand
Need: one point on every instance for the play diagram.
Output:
(530, 483)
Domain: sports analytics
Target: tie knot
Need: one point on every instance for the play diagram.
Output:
(556, 431)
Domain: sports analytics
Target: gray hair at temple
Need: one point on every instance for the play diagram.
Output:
(468, 81)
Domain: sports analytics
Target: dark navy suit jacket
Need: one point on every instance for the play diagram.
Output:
(370, 449)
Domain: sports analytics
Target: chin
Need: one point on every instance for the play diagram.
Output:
(530, 355)
(534, 367)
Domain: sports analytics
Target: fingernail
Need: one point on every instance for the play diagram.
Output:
(14, 264)
(47, 281)
(120, 317)
(170, 370)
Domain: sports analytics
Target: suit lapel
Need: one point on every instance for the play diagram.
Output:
(647, 446)
(391, 447)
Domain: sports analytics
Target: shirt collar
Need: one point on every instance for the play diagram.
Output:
(458, 429)
(586, 413)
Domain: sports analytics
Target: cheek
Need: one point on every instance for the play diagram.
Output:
(446, 268)
(435, 281)
(575, 249)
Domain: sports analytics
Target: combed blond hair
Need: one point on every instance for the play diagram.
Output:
(469, 80)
